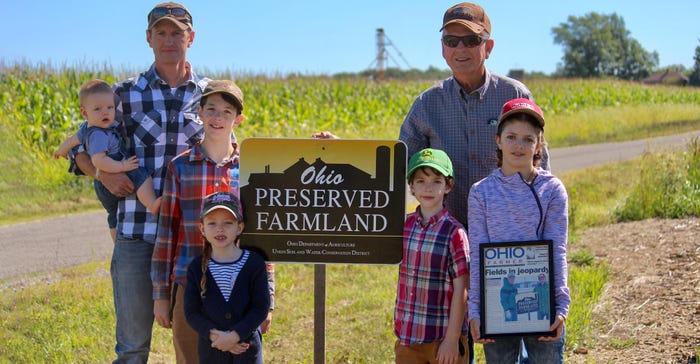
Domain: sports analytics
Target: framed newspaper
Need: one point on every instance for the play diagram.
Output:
(516, 290)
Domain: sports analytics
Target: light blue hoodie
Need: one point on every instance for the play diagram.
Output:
(504, 208)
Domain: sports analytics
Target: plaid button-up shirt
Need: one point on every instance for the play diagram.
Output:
(159, 123)
(433, 255)
(190, 177)
(464, 125)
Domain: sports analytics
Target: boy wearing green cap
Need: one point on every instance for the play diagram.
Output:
(429, 321)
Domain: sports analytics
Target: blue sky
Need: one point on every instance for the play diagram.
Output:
(324, 37)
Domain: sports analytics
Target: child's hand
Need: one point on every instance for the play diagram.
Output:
(448, 352)
(557, 327)
(214, 334)
(265, 325)
(130, 164)
(239, 348)
(228, 341)
(475, 329)
(60, 153)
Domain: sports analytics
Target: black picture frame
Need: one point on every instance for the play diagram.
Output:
(511, 291)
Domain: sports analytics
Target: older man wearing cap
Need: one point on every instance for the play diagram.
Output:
(159, 119)
(460, 114)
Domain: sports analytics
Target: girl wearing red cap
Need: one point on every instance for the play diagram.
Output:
(520, 202)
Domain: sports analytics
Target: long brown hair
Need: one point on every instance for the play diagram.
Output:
(537, 157)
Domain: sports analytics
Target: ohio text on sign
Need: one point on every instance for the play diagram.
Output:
(324, 201)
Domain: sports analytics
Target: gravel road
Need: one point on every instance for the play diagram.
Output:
(76, 239)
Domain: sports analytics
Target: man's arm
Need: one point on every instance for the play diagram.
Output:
(117, 183)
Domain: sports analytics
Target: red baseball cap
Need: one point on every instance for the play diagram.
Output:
(522, 105)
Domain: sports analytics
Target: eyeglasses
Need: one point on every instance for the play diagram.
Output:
(158, 13)
(469, 41)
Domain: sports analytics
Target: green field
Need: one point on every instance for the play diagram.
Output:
(39, 107)
(67, 316)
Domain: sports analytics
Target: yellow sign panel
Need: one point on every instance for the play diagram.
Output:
(324, 200)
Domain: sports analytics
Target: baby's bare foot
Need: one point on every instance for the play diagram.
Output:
(154, 207)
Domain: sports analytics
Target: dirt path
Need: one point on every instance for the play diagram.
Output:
(76, 239)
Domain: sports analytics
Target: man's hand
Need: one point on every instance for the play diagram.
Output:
(161, 310)
(117, 183)
(324, 135)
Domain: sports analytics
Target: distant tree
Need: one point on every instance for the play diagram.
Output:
(695, 75)
(597, 45)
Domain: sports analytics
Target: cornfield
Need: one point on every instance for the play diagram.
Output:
(39, 106)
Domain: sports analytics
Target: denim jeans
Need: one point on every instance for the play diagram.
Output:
(133, 299)
(506, 349)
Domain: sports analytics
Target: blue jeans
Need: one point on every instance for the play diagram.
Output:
(133, 299)
(505, 349)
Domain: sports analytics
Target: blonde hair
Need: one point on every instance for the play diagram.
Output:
(93, 87)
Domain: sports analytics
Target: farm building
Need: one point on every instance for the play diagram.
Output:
(667, 77)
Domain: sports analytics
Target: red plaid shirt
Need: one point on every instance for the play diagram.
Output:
(433, 255)
(190, 177)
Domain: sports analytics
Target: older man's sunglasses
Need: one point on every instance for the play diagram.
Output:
(469, 41)
(158, 13)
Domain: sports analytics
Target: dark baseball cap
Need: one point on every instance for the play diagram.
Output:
(176, 13)
(469, 15)
(222, 200)
(225, 87)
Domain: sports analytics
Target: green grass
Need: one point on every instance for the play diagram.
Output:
(595, 192)
(666, 188)
(75, 303)
(586, 284)
(67, 316)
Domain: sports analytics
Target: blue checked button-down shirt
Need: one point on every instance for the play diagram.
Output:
(464, 125)
(160, 122)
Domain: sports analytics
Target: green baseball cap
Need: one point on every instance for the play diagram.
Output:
(433, 158)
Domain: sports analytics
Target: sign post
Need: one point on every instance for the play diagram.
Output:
(319, 313)
(323, 201)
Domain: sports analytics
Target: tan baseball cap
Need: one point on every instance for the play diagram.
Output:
(225, 87)
(469, 15)
(176, 13)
